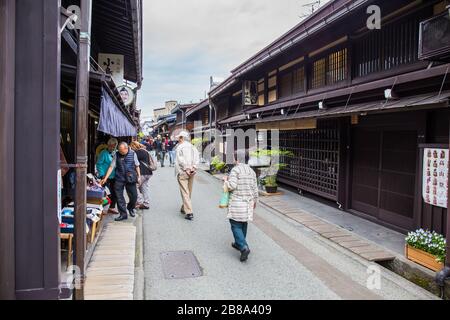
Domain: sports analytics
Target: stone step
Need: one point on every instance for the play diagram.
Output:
(362, 247)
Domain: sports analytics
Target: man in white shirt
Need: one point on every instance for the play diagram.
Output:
(187, 160)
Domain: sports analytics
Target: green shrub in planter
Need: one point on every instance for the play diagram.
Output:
(218, 165)
(270, 181)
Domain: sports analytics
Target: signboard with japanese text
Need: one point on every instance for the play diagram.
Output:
(435, 177)
(113, 64)
(250, 93)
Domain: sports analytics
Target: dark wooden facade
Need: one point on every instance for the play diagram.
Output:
(31, 265)
(7, 80)
(364, 158)
(386, 169)
(30, 120)
(315, 165)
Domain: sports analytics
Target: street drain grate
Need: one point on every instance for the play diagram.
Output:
(180, 265)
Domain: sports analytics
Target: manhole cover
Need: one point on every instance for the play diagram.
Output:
(180, 265)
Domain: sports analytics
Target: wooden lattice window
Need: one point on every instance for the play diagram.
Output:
(261, 92)
(396, 44)
(286, 85)
(337, 67)
(272, 86)
(205, 117)
(330, 69)
(315, 165)
(298, 80)
(318, 78)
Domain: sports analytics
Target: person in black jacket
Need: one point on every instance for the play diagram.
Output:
(128, 174)
(145, 160)
(171, 150)
(160, 149)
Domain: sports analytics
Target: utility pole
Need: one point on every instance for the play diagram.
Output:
(83, 70)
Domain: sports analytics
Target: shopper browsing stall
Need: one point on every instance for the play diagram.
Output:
(147, 166)
(128, 175)
(104, 161)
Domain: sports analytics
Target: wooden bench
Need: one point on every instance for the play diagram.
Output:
(69, 238)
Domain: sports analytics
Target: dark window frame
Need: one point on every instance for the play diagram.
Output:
(262, 92)
(326, 56)
(291, 71)
(390, 57)
(275, 87)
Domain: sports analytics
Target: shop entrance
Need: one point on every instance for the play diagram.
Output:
(383, 179)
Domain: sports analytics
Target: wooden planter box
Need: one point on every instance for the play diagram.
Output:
(423, 258)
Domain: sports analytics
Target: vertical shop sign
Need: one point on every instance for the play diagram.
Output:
(435, 177)
(250, 93)
(113, 64)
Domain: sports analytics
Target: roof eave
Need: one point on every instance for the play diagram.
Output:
(300, 32)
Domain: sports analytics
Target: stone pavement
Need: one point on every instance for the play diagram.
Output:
(110, 273)
(327, 211)
(288, 260)
(358, 245)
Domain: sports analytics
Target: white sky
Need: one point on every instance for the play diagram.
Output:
(187, 41)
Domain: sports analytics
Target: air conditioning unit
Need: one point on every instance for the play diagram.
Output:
(434, 42)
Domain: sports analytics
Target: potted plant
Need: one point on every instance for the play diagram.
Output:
(197, 142)
(218, 166)
(270, 183)
(426, 248)
(270, 159)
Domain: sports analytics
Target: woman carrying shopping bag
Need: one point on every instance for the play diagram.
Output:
(147, 167)
(242, 184)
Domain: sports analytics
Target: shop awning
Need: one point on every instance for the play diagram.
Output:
(112, 120)
(435, 99)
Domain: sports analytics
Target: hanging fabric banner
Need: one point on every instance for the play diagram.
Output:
(112, 120)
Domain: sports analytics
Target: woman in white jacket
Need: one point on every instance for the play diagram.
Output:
(242, 184)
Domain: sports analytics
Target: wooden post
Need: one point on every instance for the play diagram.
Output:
(37, 116)
(81, 145)
(7, 51)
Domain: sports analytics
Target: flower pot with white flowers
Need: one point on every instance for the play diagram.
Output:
(426, 248)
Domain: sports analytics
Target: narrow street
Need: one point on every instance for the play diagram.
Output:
(287, 261)
(339, 110)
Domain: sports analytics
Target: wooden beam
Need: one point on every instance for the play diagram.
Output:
(83, 70)
(37, 115)
(7, 75)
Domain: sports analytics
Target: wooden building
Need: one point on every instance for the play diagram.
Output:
(38, 62)
(203, 118)
(356, 106)
(181, 122)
